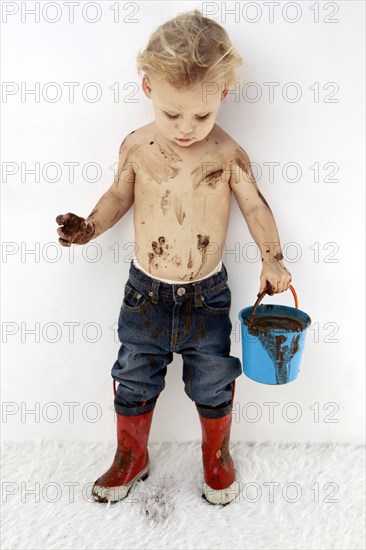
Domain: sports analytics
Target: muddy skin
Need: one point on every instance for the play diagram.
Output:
(160, 251)
(212, 179)
(164, 201)
(270, 289)
(190, 261)
(267, 252)
(259, 224)
(93, 212)
(100, 203)
(202, 244)
(179, 212)
(169, 154)
(204, 209)
(263, 200)
(75, 228)
(279, 257)
(158, 248)
(177, 260)
(115, 217)
(241, 159)
(151, 164)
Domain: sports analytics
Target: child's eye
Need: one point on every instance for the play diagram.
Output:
(176, 116)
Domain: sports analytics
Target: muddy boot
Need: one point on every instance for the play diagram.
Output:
(131, 461)
(220, 485)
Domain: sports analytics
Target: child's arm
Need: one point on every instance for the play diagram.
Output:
(110, 208)
(261, 225)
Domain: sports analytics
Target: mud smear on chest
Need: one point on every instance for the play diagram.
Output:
(202, 177)
(164, 201)
(159, 164)
(179, 212)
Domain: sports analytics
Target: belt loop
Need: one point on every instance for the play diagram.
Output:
(197, 295)
(154, 293)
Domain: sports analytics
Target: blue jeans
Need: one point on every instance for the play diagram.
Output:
(157, 319)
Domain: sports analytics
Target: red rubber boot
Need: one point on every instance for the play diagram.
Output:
(131, 461)
(220, 485)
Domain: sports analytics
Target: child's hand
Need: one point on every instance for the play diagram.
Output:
(275, 277)
(75, 230)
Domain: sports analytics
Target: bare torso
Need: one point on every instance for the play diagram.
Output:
(182, 202)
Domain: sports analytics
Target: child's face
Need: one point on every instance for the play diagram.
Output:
(188, 114)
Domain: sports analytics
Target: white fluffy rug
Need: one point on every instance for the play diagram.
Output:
(317, 500)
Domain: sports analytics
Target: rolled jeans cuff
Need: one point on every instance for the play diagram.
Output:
(215, 412)
(134, 411)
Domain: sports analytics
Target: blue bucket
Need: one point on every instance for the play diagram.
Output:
(273, 338)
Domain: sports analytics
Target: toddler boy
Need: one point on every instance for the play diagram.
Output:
(179, 171)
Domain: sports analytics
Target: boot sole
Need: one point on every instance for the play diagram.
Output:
(114, 494)
(221, 496)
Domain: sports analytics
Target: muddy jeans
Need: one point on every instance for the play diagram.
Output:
(157, 319)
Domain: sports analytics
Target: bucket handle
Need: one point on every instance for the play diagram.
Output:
(261, 296)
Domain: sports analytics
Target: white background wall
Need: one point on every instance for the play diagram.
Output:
(320, 221)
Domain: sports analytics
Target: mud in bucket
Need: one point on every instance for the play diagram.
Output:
(273, 338)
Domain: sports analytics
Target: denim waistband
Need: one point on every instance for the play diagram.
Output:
(155, 287)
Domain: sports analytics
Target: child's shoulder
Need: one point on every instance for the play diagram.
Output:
(226, 141)
(138, 136)
(133, 140)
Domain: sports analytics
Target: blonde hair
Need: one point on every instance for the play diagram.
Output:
(190, 48)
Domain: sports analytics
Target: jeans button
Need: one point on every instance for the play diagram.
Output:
(181, 291)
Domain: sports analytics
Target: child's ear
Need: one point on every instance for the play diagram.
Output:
(224, 94)
(146, 86)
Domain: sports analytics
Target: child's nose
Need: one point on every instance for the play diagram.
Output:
(186, 127)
